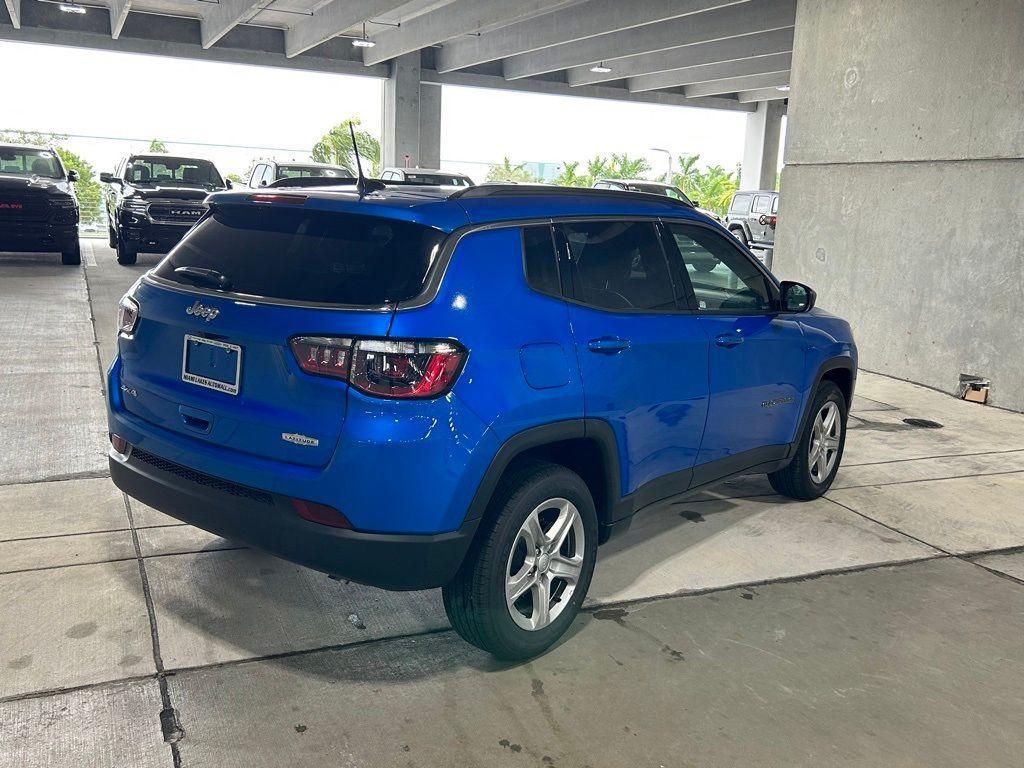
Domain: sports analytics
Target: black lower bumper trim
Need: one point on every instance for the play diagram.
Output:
(390, 561)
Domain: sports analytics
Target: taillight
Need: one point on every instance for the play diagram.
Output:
(406, 369)
(772, 220)
(323, 355)
(127, 315)
(383, 367)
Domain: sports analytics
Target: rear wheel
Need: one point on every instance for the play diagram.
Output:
(527, 573)
(740, 235)
(126, 255)
(820, 451)
(73, 256)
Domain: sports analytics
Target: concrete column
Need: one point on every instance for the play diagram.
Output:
(761, 146)
(412, 117)
(901, 195)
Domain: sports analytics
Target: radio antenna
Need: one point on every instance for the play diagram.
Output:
(364, 186)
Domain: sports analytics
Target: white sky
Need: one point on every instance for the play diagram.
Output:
(98, 93)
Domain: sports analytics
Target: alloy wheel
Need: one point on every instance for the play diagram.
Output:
(825, 437)
(545, 564)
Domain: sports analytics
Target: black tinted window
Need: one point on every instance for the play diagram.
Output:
(723, 278)
(307, 256)
(539, 259)
(619, 265)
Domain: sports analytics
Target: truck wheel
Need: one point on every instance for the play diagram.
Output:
(111, 237)
(739, 235)
(72, 257)
(526, 574)
(126, 255)
(820, 450)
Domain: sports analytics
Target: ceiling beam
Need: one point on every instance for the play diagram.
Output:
(118, 15)
(758, 65)
(761, 94)
(331, 20)
(462, 17)
(714, 52)
(553, 87)
(743, 19)
(222, 17)
(14, 11)
(736, 84)
(596, 17)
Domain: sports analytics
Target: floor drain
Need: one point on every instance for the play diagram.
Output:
(924, 423)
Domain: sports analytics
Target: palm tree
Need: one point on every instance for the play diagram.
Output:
(335, 147)
(507, 171)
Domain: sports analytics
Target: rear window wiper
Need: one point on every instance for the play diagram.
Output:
(208, 277)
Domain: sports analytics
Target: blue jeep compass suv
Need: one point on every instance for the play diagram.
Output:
(412, 388)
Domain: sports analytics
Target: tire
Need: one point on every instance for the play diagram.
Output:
(803, 478)
(126, 255)
(739, 234)
(73, 257)
(111, 237)
(475, 600)
(705, 265)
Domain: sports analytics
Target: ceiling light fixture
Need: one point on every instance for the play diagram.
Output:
(364, 41)
(72, 8)
(783, 88)
(600, 69)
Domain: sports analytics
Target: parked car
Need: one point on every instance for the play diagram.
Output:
(654, 188)
(752, 218)
(334, 379)
(266, 172)
(427, 176)
(153, 199)
(38, 207)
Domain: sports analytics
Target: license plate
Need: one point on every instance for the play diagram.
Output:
(212, 364)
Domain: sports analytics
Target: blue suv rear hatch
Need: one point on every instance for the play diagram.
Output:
(231, 318)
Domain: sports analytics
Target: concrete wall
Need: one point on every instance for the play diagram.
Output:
(902, 198)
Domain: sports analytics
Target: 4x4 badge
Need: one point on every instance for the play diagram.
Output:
(201, 310)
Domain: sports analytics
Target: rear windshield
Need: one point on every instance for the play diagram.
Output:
(306, 256)
(30, 162)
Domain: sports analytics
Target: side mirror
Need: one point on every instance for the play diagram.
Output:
(797, 297)
(229, 184)
(72, 175)
(109, 178)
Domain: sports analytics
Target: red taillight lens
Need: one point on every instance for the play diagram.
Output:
(320, 513)
(119, 443)
(405, 369)
(772, 220)
(383, 367)
(323, 355)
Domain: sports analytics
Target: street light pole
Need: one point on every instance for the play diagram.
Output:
(668, 155)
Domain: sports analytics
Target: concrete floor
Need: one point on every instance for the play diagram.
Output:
(881, 625)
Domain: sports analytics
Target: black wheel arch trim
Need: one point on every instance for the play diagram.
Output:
(840, 362)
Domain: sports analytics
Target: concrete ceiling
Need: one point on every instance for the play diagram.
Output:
(706, 53)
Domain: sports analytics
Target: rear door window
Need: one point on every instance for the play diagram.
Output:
(740, 204)
(305, 256)
(619, 265)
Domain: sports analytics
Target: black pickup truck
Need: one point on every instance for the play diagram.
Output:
(38, 207)
(152, 200)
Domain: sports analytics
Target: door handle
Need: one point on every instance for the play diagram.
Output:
(608, 345)
(728, 340)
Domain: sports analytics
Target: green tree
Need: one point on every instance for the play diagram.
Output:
(157, 146)
(688, 171)
(570, 178)
(335, 147)
(235, 177)
(509, 171)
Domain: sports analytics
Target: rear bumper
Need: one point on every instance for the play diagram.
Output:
(267, 521)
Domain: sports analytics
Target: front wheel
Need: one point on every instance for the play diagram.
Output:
(525, 577)
(820, 450)
(73, 256)
(125, 255)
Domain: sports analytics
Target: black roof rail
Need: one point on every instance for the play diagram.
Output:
(543, 190)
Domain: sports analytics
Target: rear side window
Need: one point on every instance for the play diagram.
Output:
(740, 204)
(305, 256)
(539, 260)
(619, 265)
(761, 204)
